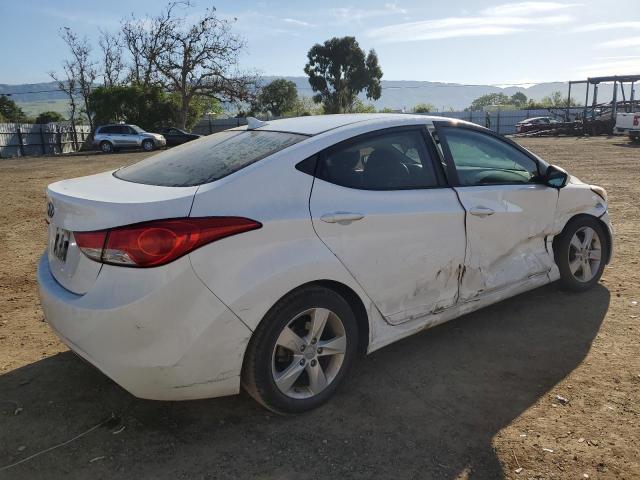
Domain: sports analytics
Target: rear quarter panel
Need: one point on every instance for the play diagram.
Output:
(251, 271)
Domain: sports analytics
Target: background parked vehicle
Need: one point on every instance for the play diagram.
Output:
(109, 138)
(535, 124)
(629, 123)
(175, 136)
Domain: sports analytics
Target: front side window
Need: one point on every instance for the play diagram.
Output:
(481, 159)
(208, 159)
(388, 161)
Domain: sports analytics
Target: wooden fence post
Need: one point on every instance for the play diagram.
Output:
(42, 144)
(59, 138)
(20, 146)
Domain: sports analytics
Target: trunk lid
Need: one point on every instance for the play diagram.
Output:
(99, 202)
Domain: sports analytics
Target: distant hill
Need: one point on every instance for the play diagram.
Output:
(396, 94)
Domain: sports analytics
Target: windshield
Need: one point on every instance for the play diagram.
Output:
(137, 129)
(207, 159)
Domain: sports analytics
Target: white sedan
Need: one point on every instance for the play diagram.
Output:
(269, 256)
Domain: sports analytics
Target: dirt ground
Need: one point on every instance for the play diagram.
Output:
(474, 398)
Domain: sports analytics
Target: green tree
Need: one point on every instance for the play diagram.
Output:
(148, 107)
(200, 105)
(424, 108)
(519, 99)
(278, 97)
(305, 106)
(49, 117)
(11, 112)
(360, 107)
(556, 100)
(490, 99)
(338, 70)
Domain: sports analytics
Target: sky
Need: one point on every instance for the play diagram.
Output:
(460, 41)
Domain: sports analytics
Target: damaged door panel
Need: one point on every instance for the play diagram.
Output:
(509, 245)
(509, 210)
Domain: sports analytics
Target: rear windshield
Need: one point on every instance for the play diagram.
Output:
(207, 159)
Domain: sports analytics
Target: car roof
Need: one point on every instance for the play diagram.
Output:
(316, 124)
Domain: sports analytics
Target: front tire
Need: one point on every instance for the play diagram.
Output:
(580, 253)
(148, 145)
(301, 351)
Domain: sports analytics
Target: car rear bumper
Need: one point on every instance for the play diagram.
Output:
(160, 335)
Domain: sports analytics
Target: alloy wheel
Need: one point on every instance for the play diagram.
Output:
(585, 254)
(309, 353)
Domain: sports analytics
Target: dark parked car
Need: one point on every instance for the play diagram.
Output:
(175, 136)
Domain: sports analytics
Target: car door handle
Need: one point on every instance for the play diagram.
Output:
(341, 217)
(481, 211)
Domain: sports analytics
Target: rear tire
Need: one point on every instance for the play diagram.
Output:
(301, 351)
(106, 147)
(580, 253)
(148, 145)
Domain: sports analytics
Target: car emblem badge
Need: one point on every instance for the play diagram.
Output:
(50, 209)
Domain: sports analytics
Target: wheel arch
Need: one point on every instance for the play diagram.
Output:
(351, 297)
(604, 226)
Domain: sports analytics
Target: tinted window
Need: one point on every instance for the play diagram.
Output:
(108, 129)
(207, 159)
(388, 161)
(482, 159)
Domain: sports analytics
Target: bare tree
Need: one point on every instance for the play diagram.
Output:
(80, 68)
(68, 86)
(145, 38)
(191, 59)
(112, 63)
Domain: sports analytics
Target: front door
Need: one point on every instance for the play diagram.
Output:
(380, 205)
(509, 211)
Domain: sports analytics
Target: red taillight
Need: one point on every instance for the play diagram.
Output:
(155, 243)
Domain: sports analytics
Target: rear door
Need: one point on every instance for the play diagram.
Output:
(509, 211)
(380, 205)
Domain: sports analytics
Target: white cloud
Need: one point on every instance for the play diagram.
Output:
(347, 15)
(616, 67)
(525, 8)
(299, 23)
(621, 43)
(595, 27)
(453, 27)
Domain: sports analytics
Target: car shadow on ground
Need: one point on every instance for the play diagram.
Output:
(425, 407)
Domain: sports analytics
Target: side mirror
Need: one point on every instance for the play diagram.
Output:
(556, 177)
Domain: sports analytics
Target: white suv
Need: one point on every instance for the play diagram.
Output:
(111, 137)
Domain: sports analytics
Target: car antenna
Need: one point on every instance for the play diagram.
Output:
(253, 123)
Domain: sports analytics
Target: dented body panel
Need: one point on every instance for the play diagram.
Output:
(396, 252)
(509, 245)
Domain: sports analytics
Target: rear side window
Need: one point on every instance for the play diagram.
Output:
(385, 161)
(208, 159)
